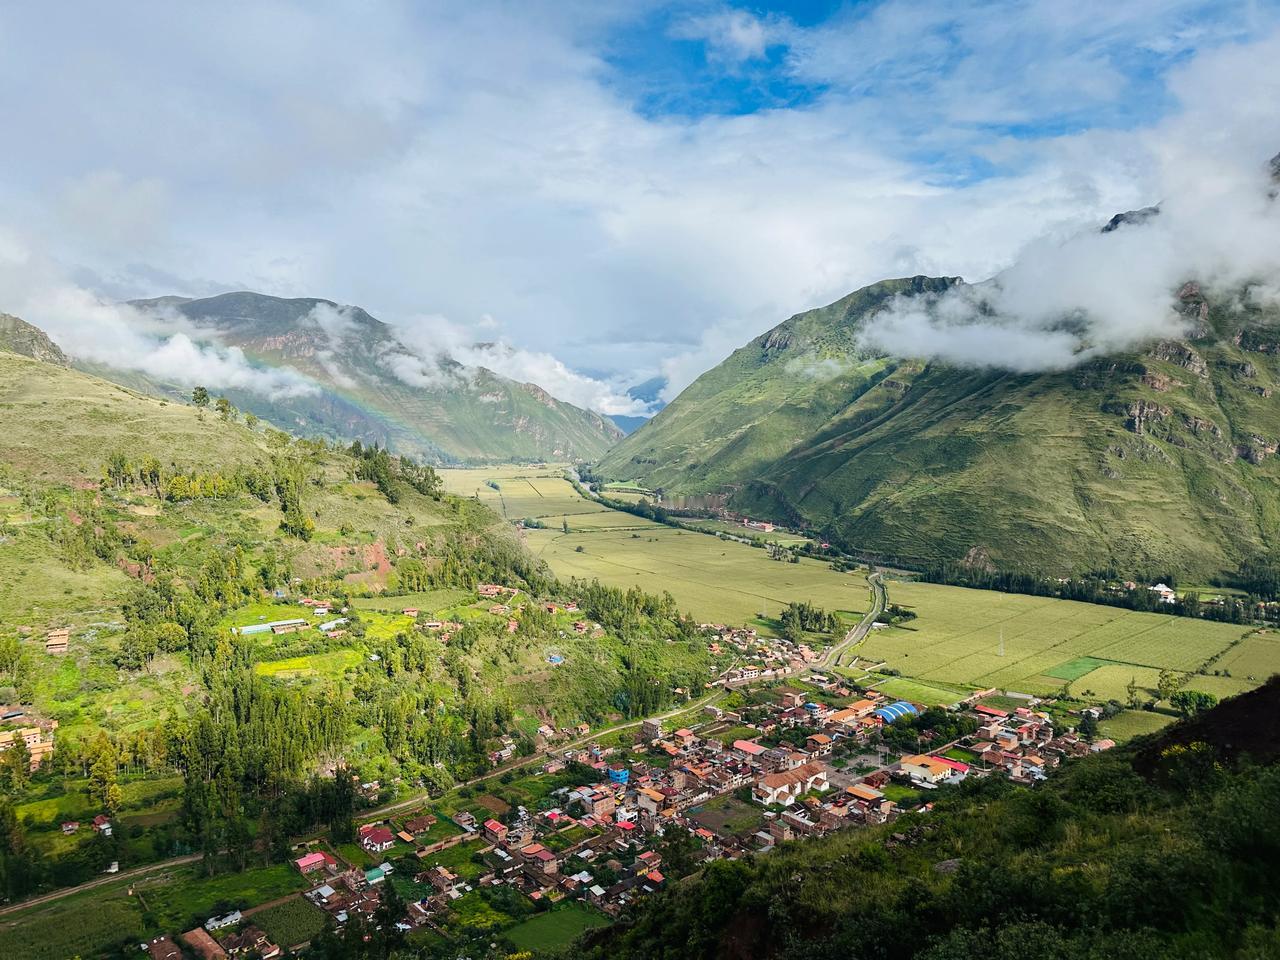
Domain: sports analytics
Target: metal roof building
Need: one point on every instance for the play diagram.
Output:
(896, 711)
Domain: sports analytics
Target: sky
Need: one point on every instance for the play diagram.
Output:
(597, 192)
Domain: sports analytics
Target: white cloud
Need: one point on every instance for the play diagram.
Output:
(731, 35)
(479, 159)
(1067, 298)
(90, 328)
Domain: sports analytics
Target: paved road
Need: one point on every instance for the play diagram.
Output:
(879, 601)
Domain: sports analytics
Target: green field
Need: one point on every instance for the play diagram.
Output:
(292, 922)
(958, 635)
(713, 579)
(556, 928)
(91, 923)
(1133, 723)
(930, 694)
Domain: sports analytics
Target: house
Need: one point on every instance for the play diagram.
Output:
(56, 641)
(420, 824)
(162, 948)
(749, 748)
(375, 876)
(38, 747)
(538, 862)
(819, 744)
(218, 923)
(288, 626)
(651, 730)
(786, 787)
(376, 839)
(202, 945)
(102, 824)
(410, 612)
(251, 942)
(70, 826)
(494, 831)
(925, 769)
(314, 861)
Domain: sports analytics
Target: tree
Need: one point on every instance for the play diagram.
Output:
(1190, 702)
(250, 421)
(1167, 684)
(1088, 726)
(102, 777)
(1131, 691)
(225, 410)
(200, 397)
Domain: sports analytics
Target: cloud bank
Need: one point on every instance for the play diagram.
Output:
(88, 327)
(1067, 298)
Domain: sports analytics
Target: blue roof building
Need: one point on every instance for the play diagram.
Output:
(896, 711)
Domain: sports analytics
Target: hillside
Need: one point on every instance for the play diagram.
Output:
(18, 336)
(1100, 862)
(1159, 461)
(365, 385)
(165, 539)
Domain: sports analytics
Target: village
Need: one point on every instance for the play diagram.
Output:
(774, 750)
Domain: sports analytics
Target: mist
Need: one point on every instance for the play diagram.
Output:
(1078, 292)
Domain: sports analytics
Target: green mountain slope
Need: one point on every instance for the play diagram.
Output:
(1151, 462)
(366, 385)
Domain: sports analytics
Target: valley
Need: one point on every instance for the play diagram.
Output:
(463, 644)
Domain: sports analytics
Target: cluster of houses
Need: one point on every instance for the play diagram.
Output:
(756, 659)
(36, 737)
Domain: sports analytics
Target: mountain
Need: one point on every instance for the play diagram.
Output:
(18, 336)
(358, 381)
(1155, 461)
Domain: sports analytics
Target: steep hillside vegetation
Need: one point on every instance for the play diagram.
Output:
(364, 384)
(1102, 862)
(1160, 461)
(153, 532)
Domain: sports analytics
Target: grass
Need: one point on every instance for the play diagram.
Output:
(92, 923)
(916, 691)
(726, 814)
(958, 635)
(1133, 723)
(555, 929)
(332, 665)
(899, 794)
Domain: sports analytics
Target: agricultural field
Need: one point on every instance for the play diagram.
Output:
(555, 929)
(1133, 723)
(516, 493)
(290, 923)
(715, 580)
(782, 537)
(983, 639)
(96, 921)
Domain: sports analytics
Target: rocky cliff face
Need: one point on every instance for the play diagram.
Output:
(18, 336)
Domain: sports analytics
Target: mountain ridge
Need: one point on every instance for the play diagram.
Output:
(1156, 460)
(364, 384)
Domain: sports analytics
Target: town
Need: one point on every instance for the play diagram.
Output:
(773, 750)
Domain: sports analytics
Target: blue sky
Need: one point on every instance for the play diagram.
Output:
(607, 190)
